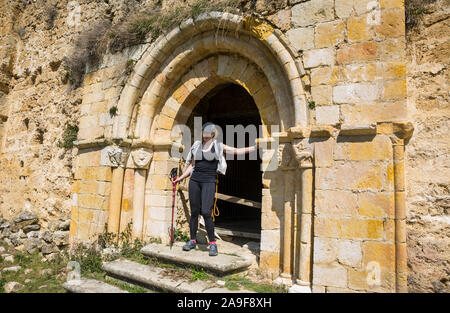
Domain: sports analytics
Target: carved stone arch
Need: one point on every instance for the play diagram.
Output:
(170, 79)
(205, 76)
(173, 53)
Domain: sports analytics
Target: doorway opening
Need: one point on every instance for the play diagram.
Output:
(240, 190)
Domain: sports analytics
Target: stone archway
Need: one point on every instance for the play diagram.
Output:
(212, 33)
(177, 70)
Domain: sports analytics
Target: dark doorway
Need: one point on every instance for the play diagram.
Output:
(231, 104)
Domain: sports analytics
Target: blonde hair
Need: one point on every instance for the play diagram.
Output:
(209, 128)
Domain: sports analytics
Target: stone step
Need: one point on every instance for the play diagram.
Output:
(156, 278)
(222, 264)
(85, 285)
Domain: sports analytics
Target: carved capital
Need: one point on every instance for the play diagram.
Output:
(303, 155)
(116, 156)
(141, 158)
(286, 160)
(402, 132)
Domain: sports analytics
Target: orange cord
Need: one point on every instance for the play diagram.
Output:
(215, 211)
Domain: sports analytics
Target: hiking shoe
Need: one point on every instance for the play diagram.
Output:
(189, 245)
(213, 249)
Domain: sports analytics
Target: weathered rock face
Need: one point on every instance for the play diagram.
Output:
(428, 162)
(34, 109)
(36, 102)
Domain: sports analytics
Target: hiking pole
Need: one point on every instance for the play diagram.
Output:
(173, 175)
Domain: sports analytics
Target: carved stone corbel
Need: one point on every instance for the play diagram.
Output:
(303, 155)
(286, 159)
(141, 158)
(114, 155)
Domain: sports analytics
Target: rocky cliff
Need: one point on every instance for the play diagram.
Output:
(428, 171)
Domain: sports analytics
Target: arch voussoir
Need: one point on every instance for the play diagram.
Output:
(212, 33)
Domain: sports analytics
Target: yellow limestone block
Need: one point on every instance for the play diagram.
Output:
(258, 27)
(270, 262)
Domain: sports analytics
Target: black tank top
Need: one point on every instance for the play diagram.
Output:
(205, 166)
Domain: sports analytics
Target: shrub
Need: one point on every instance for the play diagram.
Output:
(69, 136)
(88, 257)
(180, 236)
(113, 110)
(414, 10)
(88, 51)
(102, 37)
(106, 238)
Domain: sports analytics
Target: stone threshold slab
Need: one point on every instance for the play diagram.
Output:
(85, 285)
(155, 278)
(221, 264)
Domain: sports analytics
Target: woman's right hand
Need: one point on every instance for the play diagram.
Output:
(178, 179)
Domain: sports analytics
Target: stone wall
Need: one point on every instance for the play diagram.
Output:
(353, 173)
(354, 52)
(428, 152)
(24, 233)
(355, 214)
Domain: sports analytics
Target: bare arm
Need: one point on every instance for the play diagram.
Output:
(237, 151)
(185, 174)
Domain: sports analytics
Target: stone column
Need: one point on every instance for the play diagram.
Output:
(400, 217)
(138, 202)
(401, 133)
(305, 161)
(289, 197)
(141, 159)
(287, 165)
(117, 158)
(306, 167)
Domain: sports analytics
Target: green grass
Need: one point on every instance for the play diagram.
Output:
(124, 286)
(199, 275)
(157, 21)
(414, 11)
(2, 284)
(90, 261)
(52, 281)
(95, 41)
(89, 258)
(236, 282)
(227, 253)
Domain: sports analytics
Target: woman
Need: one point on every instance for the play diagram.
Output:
(204, 161)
